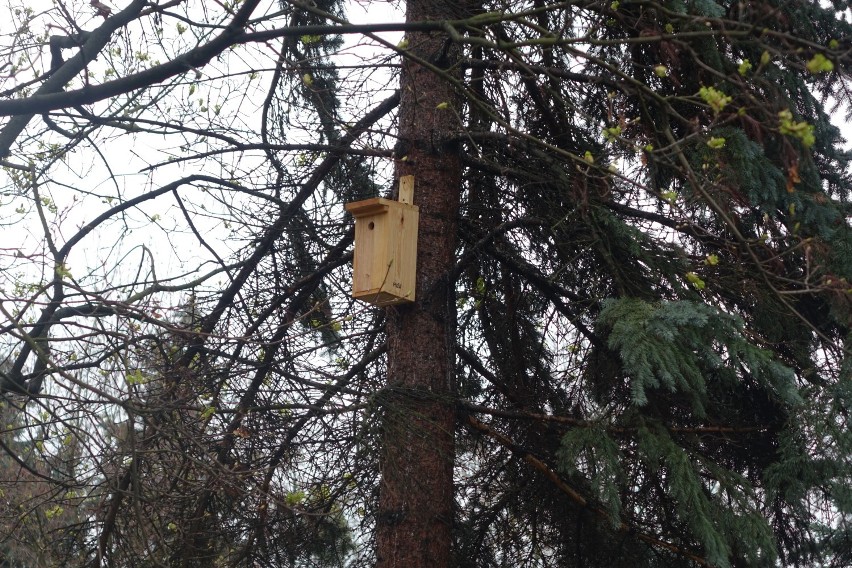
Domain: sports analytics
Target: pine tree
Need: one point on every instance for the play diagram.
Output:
(668, 274)
(630, 341)
(415, 517)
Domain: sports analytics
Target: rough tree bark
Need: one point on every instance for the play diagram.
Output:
(416, 493)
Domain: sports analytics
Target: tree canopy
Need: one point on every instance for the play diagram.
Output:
(630, 344)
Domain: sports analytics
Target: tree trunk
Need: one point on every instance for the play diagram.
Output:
(414, 524)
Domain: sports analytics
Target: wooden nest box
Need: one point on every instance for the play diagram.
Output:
(385, 263)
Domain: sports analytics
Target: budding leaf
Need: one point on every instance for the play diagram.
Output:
(62, 271)
(612, 133)
(695, 280)
(820, 64)
(801, 130)
(670, 196)
(715, 98)
(716, 143)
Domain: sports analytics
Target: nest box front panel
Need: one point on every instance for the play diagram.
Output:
(385, 251)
